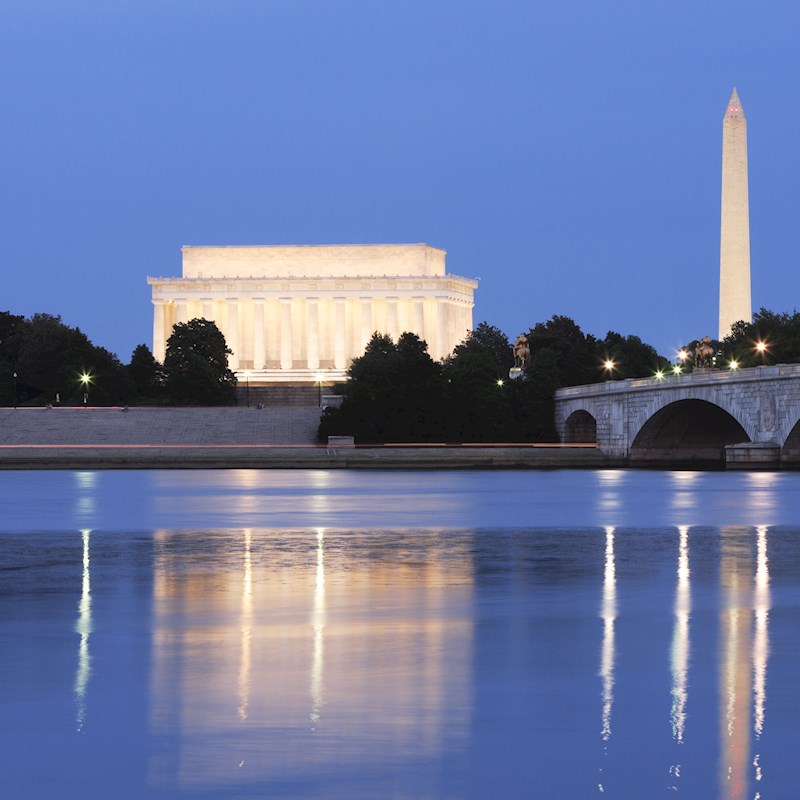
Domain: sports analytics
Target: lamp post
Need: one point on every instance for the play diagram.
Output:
(15, 389)
(247, 384)
(86, 379)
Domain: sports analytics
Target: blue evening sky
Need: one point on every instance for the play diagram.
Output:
(566, 152)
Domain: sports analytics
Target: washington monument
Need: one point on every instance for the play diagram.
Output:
(734, 250)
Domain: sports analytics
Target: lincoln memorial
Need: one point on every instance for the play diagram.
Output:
(302, 313)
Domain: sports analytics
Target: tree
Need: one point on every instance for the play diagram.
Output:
(575, 352)
(196, 365)
(394, 394)
(779, 333)
(479, 409)
(632, 358)
(11, 327)
(145, 373)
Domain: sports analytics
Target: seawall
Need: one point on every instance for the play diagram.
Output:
(235, 437)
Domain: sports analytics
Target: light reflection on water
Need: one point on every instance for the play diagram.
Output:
(334, 656)
(408, 662)
(344, 499)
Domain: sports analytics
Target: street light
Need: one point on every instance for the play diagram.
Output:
(609, 365)
(85, 379)
(247, 379)
(683, 355)
(659, 375)
(677, 369)
(499, 381)
(15, 390)
(734, 364)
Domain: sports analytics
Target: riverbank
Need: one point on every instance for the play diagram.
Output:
(229, 438)
(299, 457)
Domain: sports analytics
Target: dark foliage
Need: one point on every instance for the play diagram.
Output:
(196, 365)
(49, 358)
(396, 393)
(146, 374)
(779, 332)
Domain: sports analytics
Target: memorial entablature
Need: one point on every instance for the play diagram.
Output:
(301, 314)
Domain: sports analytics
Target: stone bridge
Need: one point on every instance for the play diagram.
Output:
(740, 418)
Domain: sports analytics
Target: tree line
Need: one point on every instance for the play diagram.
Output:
(397, 393)
(44, 361)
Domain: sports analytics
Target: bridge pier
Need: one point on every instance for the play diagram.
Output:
(753, 455)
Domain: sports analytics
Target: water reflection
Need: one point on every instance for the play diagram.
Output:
(679, 653)
(743, 655)
(85, 503)
(246, 627)
(84, 628)
(609, 615)
(318, 624)
(684, 493)
(761, 608)
(316, 663)
(369, 634)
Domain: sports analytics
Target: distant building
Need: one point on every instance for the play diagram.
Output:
(734, 252)
(290, 313)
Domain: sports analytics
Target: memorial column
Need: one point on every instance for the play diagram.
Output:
(418, 316)
(442, 343)
(286, 333)
(182, 310)
(312, 338)
(159, 331)
(232, 334)
(259, 351)
(391, 318)
(208, 308)
(340, 334)
(366, 321)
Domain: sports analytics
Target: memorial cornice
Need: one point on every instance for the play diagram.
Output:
(363, 283)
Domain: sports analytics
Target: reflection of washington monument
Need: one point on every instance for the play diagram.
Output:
(743, 656)
(742, 660)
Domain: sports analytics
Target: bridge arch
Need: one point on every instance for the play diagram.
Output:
(580, 427)
(688, 429)
(791, 446)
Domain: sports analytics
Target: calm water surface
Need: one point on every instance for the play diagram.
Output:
(411, 634)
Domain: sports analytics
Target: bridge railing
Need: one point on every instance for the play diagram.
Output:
(774, 372)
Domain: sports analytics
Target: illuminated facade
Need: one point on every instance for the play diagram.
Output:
(734, 254)
(291, 312)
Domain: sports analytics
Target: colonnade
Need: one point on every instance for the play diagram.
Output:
(312, 333)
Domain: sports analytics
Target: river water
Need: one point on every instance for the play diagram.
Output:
(215, 634)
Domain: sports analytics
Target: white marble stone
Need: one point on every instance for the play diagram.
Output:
(295, 313)
(734, 256)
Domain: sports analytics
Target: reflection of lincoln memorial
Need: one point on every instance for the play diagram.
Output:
(290, 643)
(289, 312)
